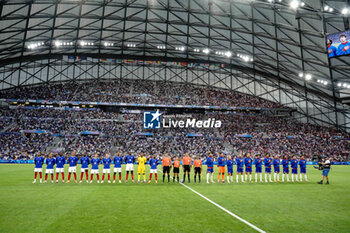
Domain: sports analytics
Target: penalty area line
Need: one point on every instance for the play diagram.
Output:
(222, 208)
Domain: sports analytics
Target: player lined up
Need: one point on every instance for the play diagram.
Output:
(167, 164)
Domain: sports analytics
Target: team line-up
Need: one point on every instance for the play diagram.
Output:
(167, 163)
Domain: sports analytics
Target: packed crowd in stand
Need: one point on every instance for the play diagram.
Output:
(62, 129)
(138, 91)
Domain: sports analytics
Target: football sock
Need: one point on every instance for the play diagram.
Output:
(45, 177)
(178, 179)
(127, 176)
(242, 177)
(184, 178)
(150, 176)
(265, 177)
(62, 175)
(114, 177)
(245, 177)
(223, 177)
(132, 176)
(188, 176)
(75, 176)
(282, 177)
(250, 177)
(87, 175)
(81, 176)
(156, 175)
(120, 176)
(52, 177)
(305, 177)
(256, 177)
(163, 178)
(41, 175)
(236, 178)
(109, 177)
(69, 176)
(91, 176)
(260, 177)
(218, 177)
(103, 176)
(168, 178)
(194, 178)
(138, 177)
(199, 178)
(57, 176)
(98, 176)
(208, 177)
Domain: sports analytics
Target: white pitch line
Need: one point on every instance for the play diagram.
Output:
(222, 208)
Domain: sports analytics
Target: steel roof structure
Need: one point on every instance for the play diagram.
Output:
(268, 47)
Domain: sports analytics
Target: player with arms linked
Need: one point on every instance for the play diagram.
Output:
(210, 168)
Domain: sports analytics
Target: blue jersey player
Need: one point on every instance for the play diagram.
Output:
(267, 163)
(285, 164)
(60, 161)
(344, 46)
(153, 162)
(294, 165)
(240, 165)
(276, 168)
(210, 168)
(129, 160)
(72, 161)
(302, 164)
(50, 163)
(258, 163)
(229, 164)
(84, 160)
(118, 161)
(248, 162)
(94, 168)
(106, 168)
(38, 161)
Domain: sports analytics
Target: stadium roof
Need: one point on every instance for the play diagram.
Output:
(279, 39)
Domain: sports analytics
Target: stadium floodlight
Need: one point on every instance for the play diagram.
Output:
(339, 84)
(294, 4)
(308, 77)
(206, 51)
(326, 8)
(302, 4)
(301, 75)
(228, 54)
(325, 83)
(82, 43)
(345, 11)
(57, 43)
(246, 58)
(251, 59)
(345, 85)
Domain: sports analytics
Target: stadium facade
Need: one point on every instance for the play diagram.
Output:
(261, 48)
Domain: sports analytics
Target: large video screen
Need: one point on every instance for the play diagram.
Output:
(338, 44)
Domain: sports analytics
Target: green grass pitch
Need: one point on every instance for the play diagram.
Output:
(272, 207)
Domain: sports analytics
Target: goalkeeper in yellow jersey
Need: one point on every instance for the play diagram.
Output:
(141, 160)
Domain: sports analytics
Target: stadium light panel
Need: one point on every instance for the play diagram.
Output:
(228, 54)
(301, 75)
(345, 11)
(206, 51)
(308, 77)
(294, 4)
